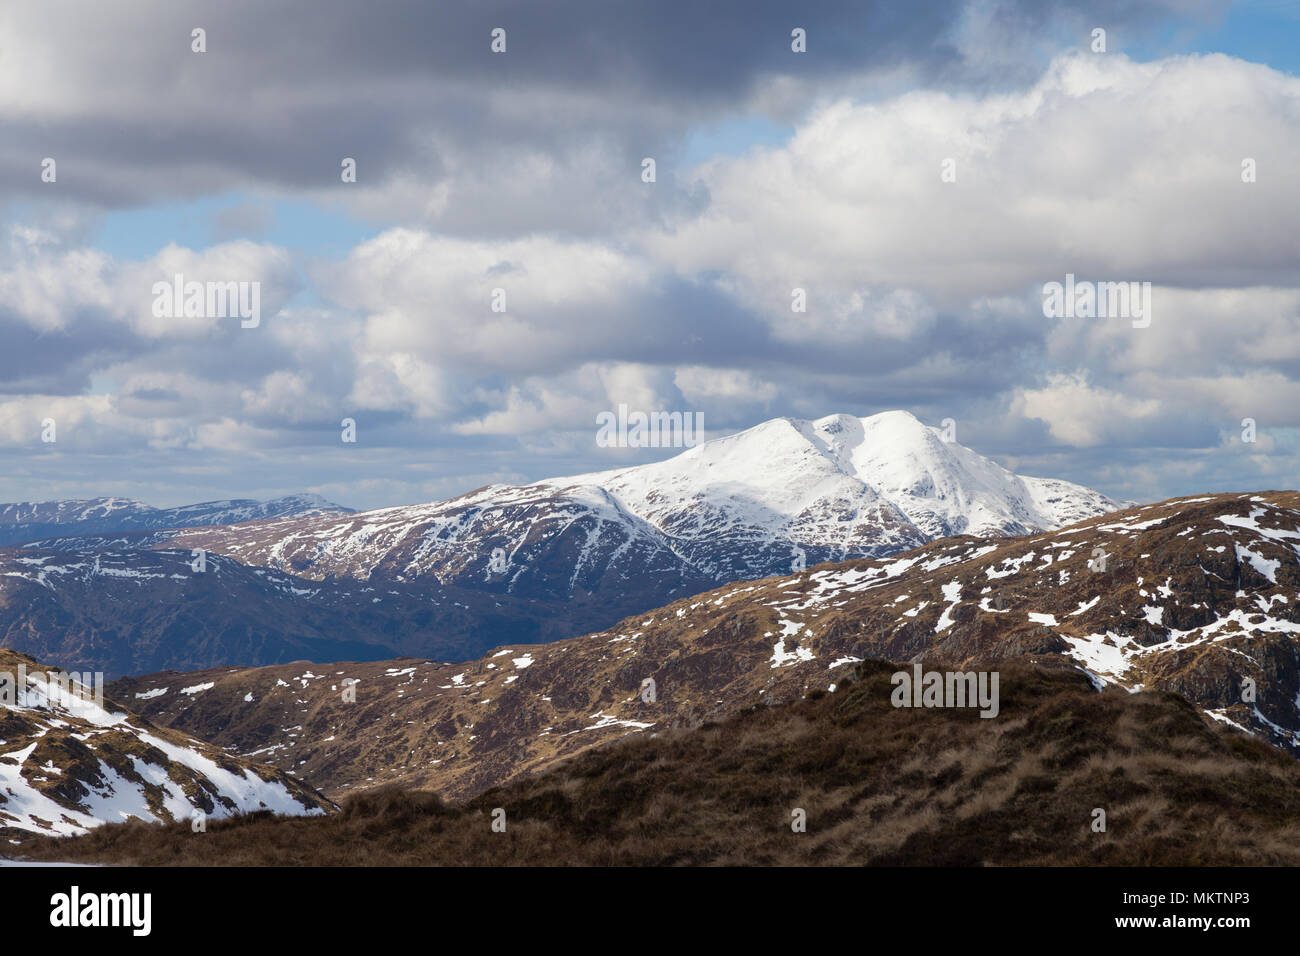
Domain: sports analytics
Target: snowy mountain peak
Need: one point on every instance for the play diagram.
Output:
(780, 477)
(888, 436)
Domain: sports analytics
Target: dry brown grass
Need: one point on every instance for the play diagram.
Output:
(880, 786)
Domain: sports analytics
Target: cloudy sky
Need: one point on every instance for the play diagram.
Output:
(522, 170)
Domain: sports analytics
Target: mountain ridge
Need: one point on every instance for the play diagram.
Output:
(28, 521)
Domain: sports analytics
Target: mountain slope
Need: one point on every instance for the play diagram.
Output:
(127, 612)
(68, 764)
(1191, 595)
(878, 785)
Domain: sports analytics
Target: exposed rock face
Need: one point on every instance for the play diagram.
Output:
(1192, 595)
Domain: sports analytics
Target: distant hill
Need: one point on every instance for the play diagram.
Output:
(25, 521)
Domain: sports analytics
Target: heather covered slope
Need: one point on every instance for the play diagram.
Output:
(879, 785)
(1192, 595)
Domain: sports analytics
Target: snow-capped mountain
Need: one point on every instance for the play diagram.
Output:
(783, 493)
(70, 762)
(837, 487)
(25, 521)
(538, 562)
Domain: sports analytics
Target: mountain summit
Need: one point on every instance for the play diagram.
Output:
(845, 485)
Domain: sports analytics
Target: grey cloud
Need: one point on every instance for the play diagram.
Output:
(412, 92)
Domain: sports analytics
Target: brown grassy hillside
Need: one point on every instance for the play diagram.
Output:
(880, 785)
